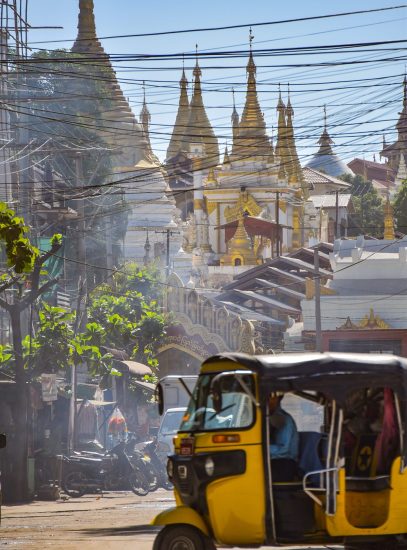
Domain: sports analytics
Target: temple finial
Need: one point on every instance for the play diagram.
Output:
(251, 38)
(197, 71)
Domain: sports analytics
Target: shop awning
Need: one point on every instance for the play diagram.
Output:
(145, 385)
(136, 369)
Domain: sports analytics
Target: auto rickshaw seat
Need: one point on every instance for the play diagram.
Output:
(363, 467)
(367, 484)
(312, 454)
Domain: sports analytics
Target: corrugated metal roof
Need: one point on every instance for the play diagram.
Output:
(313, 176)
(329, 201)
(267, 300)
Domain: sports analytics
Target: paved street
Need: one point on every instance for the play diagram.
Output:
(115, 521)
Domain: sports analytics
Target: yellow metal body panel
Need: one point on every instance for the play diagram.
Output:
(387, 509)
(181, 514)
(237, 509)
(236, 504)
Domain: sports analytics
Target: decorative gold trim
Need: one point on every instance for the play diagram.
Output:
(373, 321)
(245, 203)
(369, 322)
(199, 204)
(210, 206)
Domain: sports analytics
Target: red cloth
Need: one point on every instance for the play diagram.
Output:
(387, 444)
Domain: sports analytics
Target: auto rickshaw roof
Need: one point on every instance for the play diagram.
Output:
(334, 374)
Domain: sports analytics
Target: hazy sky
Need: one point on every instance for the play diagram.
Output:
(357, 116)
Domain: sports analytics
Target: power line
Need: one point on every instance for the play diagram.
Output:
(241, 26)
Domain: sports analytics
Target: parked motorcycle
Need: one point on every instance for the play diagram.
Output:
(157, 464)
(90, 472)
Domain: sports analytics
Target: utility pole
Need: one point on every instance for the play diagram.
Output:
(278, 222)
(169, 231)
(318, 334)
(81, 244)
(81, 317)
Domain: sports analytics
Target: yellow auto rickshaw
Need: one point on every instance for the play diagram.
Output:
(350, 486)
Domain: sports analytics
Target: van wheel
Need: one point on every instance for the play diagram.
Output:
(182, 537)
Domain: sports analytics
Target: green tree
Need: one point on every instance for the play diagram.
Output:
(28, 280)
(56, 347)
(400, 208)
(368, 217)
(128, 310)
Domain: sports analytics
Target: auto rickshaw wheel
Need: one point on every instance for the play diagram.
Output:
(182, 537)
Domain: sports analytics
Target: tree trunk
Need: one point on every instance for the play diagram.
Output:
(21, 419)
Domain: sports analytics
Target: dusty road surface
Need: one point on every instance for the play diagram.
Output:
(116, 521)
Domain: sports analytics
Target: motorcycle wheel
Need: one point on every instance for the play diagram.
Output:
(74, 484)
(154, 478)
(139, 484)
(113, 482)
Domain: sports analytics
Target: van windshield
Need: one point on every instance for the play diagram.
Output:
(237, 408)
(171, 422)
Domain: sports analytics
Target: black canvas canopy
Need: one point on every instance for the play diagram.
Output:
(335, 375)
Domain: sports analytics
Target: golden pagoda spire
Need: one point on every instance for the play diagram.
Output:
(199, 129)
(388, 221)
(145, 116)
(145, 119)
(125, 133)
(270, 159)
(226, 158)
(181, 121)
(235, 122)
(294, 168)
(211, 180)
(86, 40)
(281, 150)
(239, 247)
(252, 140)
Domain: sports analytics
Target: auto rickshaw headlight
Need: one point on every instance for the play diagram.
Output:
(209, 466)
(170, 468)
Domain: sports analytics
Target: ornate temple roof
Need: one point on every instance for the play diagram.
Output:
(325, 160)
(199, 129)
(125, 133)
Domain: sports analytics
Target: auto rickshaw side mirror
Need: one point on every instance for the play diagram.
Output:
(3, 441)
(159, 397)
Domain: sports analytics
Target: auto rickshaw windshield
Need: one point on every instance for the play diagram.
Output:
(237, 409)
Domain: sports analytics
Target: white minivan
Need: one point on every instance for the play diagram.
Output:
(169, 426)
